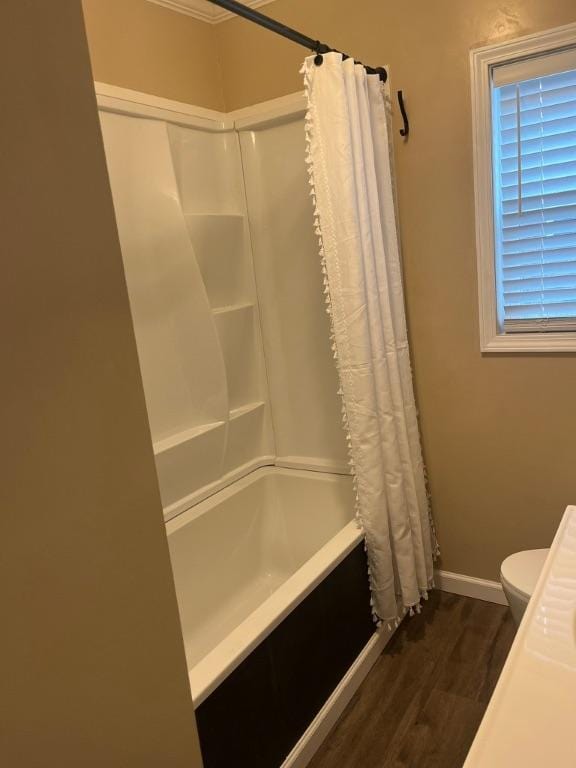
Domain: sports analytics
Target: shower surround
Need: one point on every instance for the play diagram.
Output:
(225, 286)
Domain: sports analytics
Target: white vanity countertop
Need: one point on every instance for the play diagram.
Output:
(531, 719)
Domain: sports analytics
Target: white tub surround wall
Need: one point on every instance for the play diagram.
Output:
(256, 323)
(530, 718)
(179, 200)
(301, 373)
(209, 172)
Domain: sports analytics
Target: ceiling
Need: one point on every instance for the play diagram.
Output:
(203, 10)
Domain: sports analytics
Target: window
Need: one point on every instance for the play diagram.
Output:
(524, 100)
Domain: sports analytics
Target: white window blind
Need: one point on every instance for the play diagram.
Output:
(534, 156)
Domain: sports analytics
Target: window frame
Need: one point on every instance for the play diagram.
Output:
(482, 60)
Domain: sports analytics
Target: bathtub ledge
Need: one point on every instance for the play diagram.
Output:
(241, 642)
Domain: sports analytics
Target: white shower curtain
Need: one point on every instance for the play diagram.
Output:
(350, 174)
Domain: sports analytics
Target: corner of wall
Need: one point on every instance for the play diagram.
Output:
(224, 106)
(149, 48)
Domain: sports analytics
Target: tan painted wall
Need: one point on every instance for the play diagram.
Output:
(93, 669)
(497, 431)
(139, 45)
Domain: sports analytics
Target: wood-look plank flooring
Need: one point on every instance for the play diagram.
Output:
(423, 700)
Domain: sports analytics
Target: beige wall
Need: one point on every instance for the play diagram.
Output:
(93, 669)
(139, 45)
(497, 430)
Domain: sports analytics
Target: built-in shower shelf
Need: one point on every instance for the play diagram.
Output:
(246, 434)
(243, 410)
(167, 443)
(233, 308)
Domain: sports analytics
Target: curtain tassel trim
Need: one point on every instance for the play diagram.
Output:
(392, 622)
(309, 129)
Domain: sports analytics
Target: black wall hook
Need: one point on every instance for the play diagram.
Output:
(406, 130)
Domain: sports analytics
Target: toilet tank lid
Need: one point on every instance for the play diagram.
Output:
(522, 569)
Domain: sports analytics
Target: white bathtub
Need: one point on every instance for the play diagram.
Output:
(244, 558)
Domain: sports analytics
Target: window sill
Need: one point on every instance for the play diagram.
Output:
(529, 342)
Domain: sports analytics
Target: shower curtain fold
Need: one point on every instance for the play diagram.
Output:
(348, 155)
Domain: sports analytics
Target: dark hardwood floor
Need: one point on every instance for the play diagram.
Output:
(421, 704)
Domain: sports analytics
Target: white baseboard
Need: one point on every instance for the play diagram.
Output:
(470, 586)
(319, 728)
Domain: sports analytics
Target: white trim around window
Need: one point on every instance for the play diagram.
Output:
(482, 62)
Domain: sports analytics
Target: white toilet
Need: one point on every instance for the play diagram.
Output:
(519, 574)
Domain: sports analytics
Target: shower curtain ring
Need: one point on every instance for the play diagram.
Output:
(319, 49)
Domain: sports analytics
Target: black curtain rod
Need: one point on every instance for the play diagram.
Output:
(281, 29)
